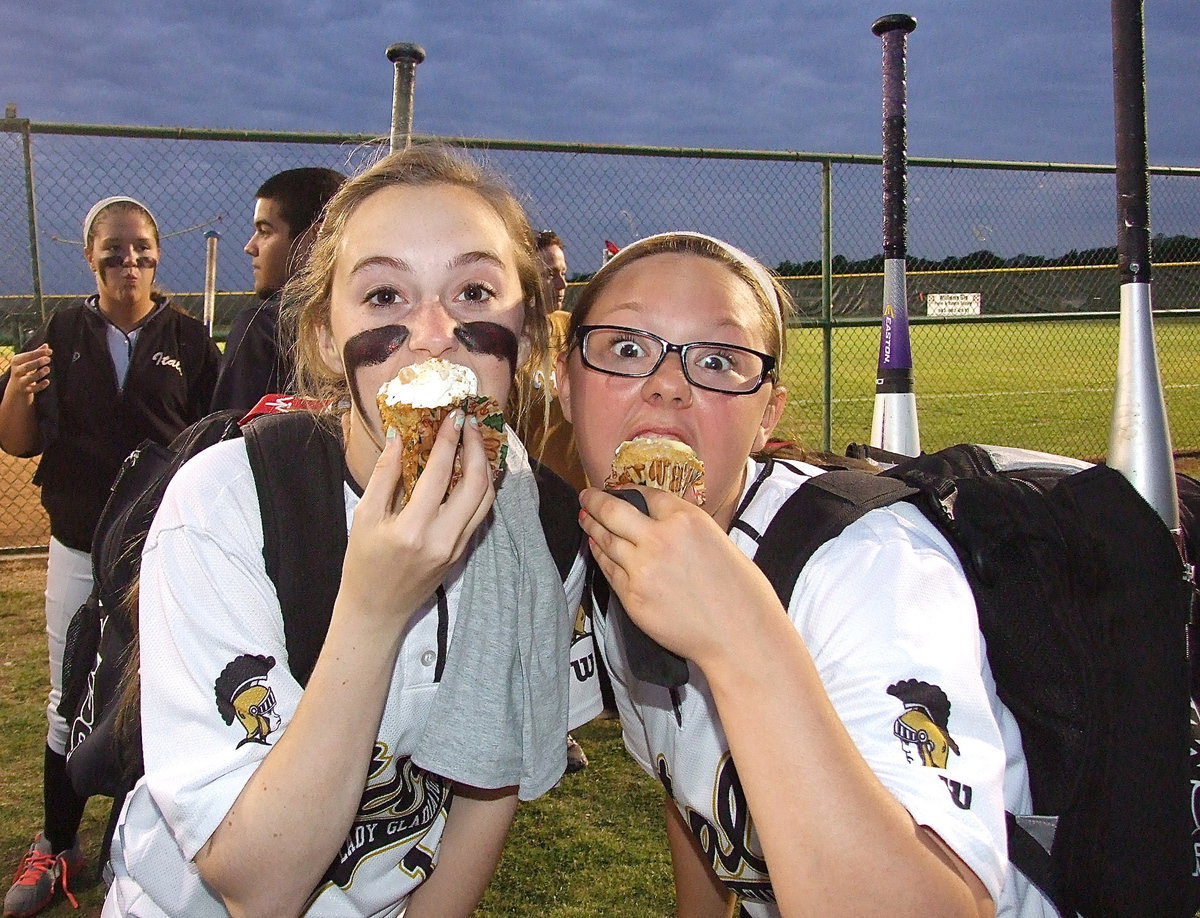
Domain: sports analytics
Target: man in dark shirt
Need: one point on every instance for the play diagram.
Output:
(287, 212)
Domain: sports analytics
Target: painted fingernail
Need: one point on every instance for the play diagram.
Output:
(391, 433)
(474, 421)
(459, 418)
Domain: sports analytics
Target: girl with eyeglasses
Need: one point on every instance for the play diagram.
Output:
(850, 738)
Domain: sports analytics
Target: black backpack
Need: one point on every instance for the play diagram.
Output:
(1085, 605)
(298, 469)
(104, 756)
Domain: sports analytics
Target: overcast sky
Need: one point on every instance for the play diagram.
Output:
(987, 79)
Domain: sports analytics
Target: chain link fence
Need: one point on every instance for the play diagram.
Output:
(1030, 246)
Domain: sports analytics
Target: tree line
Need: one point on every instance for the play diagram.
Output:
(1164, 249)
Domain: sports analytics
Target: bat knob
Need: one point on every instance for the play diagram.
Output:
(894, 21)
(405, 52)
(211, 234)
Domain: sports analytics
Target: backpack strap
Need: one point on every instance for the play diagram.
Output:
(596, 586)
(298, 469)
(648, 660)
(1031, 855)
(558, 510)
(876, 454)
(1188, 490)
(819, 510)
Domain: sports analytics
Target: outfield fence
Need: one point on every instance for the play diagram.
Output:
(1028, 245)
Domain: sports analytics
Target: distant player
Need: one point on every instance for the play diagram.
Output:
(550, 439)
(99, 378)
(287, 212)
(554, 261)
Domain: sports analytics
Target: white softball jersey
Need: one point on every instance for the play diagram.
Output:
(889, 620)
(217, 693)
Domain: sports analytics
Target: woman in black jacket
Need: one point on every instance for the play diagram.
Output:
(95, 381)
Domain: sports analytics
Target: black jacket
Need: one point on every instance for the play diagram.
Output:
(88, 425)
(253, 364)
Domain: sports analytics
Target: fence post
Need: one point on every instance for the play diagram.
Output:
(210, 278)
(404, 56)
(22, 125)
(827, 305)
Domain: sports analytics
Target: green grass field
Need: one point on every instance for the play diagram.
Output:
(1043, 385)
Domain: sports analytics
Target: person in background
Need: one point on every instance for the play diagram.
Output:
(543, 429)
(549, 438)
(827, 737)
(96, 380)
(554, 260)
(287, 211)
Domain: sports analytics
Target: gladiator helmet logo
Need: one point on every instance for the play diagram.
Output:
(583, 624)
(243, 693)
(923, 728)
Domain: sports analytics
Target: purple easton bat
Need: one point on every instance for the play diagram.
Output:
(894, 423)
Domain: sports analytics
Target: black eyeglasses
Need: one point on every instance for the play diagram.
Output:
(621, 351)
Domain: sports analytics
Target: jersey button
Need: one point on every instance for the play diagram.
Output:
(428, 658)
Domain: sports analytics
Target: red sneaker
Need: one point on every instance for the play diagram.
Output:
(39, 872)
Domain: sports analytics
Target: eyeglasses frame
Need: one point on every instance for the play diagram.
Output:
(670, 347)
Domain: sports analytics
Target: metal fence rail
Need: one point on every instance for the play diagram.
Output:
(990, 226)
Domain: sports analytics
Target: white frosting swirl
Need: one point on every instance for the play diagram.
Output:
(431, 384)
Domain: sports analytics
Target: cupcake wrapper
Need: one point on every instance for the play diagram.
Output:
(417, 429)
(663, 474)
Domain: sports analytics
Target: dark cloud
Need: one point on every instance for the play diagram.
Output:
(1001, 79)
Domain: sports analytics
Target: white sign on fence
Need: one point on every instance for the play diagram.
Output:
(953, 304)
